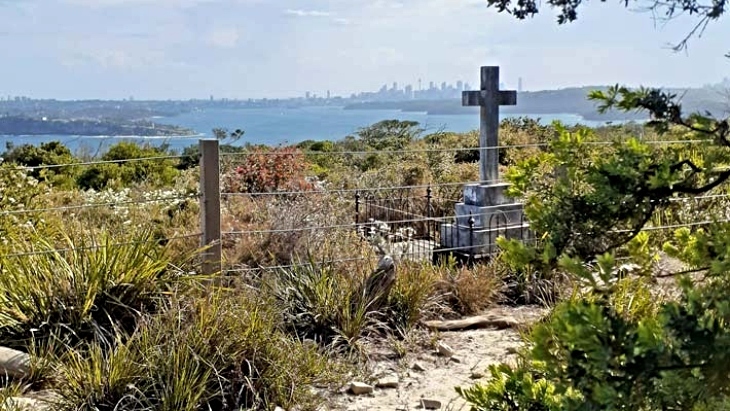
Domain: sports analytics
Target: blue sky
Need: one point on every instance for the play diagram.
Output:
(279, 48)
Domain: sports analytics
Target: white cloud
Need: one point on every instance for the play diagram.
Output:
(113, 59)
(224, 37)
(108, 3)
(307, 13)
(342, 21)
(386, 55)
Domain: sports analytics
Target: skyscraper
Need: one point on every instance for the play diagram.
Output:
(409, 92)
(519, 84)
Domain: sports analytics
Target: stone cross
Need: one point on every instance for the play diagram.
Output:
(489, 98)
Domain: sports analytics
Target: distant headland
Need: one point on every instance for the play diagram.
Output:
(20, 125)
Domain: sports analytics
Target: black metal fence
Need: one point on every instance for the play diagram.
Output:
(419, 226)
(401, 216)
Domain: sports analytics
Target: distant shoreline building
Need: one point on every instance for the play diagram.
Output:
(434, 91)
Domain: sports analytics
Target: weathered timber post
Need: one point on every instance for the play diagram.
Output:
(210, 206)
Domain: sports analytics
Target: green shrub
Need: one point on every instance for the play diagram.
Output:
(620, 347)
(120, 172)
(20, 194)
(517, 389)
(51, 153)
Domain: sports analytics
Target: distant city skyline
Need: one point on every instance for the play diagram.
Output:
(434, 90)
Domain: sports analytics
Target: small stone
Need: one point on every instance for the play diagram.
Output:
(360, 388)
(417, 366)
(455, 359)
(279, 409)
(430, 404)
(477, 375)
(444, 350)
(14, 363)
(22, 404)
(389, 381)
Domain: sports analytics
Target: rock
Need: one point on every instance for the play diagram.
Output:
(14, 363)
(477, 375)
(417, 366)
(444, 350)
(279, 409)
(455, 359)
(389, 381)
(430, 404)
(22, 404)
(360, 388)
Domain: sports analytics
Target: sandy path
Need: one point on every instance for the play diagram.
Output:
(475, 350)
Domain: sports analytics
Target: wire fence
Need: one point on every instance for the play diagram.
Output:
(40, 217)
(250, 231)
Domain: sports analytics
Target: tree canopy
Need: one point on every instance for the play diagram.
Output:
(706, 11)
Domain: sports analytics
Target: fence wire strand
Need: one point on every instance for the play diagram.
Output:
(97, 162)
(96, 205)
(96, 247)
(446, 150)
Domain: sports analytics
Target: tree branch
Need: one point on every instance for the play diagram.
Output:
(676, 273)
(678, 166)
(721, 178)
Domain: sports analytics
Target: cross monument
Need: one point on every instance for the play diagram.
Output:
(489, 98)
(485, 213)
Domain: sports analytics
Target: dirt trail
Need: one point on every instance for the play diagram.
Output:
(474, 350)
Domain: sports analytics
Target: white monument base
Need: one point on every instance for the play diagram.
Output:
(485, 215)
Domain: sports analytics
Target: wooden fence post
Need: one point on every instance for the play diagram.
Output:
(210, 205)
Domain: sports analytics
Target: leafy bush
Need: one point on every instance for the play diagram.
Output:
(129, 163)
(50, 153)
(621, 347)
(389, 134)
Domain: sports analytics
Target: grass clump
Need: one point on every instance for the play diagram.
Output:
(322, 303)
(414, 296)
(225, 351)
(81, 291)
(470, 290)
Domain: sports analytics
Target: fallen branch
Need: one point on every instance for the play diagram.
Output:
(481, 321)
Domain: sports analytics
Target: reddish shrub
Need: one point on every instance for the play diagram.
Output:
(272, 169)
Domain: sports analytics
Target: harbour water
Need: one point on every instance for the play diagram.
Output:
(280, 126)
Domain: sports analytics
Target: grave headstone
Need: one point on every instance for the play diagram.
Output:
(485, 213)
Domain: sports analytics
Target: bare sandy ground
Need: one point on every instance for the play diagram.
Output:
(474, 351)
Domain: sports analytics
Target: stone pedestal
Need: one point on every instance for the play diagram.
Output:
(485, 215)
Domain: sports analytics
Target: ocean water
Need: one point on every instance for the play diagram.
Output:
(280, 126)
